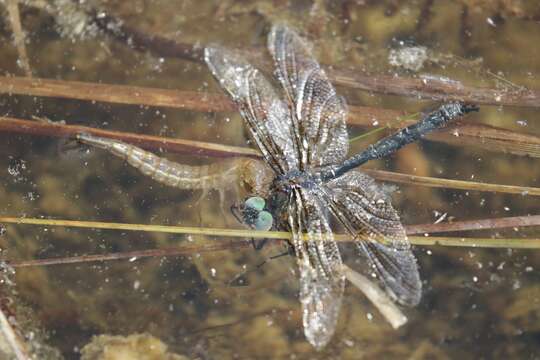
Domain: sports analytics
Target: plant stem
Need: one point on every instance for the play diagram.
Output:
(281, 235)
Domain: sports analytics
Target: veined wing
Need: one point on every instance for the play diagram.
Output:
(366, 212)
(265, 114)
(318, 113)
(319, 264)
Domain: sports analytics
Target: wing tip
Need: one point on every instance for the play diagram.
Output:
(318, 336)
(412, 293)
(412, 299)
(318, 341)
(280, 31)
(230, 69)
(277, 27)
(210, 57)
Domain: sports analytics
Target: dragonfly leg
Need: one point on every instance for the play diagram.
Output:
(204, 195)
(222, 206)
(68, 144)
(258, 244)
(285, 253)
(238, 279)
(273, 257)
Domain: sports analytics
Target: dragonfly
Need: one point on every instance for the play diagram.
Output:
(303, 138)
(305, 181)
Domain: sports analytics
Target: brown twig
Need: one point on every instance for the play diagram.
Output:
(18, 35)
(434, 89)
(116, 94)
(190, 147)
(490, 138)
(478, 135)
(230, 244)
(13, 342)
(425, 15)
(471, 225)
(378, 297)
(450, 184)
(142, 41)
(468, 225)
(431, 89)
(465, 27)
(238, 244)
(145, 141)
(136, 95)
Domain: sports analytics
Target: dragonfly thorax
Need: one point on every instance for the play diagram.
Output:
(295, 179)
(281, 189)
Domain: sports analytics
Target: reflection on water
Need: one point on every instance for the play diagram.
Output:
(476, 302)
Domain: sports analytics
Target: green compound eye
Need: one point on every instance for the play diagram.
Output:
(264, 221)
(256, 203)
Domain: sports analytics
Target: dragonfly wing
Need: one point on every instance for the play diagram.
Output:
(365, 210)
(320, 266)
(318, 113)
(265, 114)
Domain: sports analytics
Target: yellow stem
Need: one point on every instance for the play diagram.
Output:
(527, 243)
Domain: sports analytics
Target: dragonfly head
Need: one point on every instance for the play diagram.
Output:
(253, 213)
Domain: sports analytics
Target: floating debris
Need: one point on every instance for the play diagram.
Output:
(409, 58)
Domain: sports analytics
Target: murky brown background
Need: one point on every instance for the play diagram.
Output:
(477, 303)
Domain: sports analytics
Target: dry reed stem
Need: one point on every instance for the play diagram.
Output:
(182, 146)
(282, 235)
(19, 37)
(434, 89)
(198, 148)
(431, 89)
(136, 254)
(16, 349)
(467, 134)
(482, 224)
(451, 184)
(137, 95)
(388, 309)
(232, 244)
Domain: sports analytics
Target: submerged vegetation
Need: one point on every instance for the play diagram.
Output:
(133, 71)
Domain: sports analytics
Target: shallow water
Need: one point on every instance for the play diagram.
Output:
(477, 303)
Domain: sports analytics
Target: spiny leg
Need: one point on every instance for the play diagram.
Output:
(222, 206)
(288, 252)
(238, 277)
(204, 195)
(258, 244)
(198, 202)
